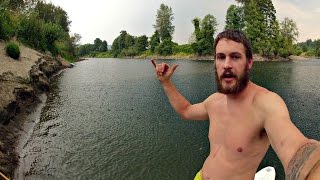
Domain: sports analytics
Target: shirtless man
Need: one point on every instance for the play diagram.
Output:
(244, 118)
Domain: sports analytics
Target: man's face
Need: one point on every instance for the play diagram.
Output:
(231, 67)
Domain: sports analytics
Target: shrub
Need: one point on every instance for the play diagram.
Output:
(185, 48)
(6, 26)
(131, 51)
(13, 50)
(52, 33)
(31, 32)
(165, 47)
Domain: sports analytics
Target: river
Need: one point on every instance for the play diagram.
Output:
(110, 119)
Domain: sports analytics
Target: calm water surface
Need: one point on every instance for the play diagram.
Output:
(110, 119)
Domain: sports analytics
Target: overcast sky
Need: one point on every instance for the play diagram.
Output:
(105, 19)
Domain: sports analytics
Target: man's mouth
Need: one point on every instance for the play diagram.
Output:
(228, 79)
(228, 76)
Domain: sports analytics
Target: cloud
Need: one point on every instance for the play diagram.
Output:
(317, 10)
(105, 19)
(301, 12)
(288, 9)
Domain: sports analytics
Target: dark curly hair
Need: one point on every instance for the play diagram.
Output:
(237, 36)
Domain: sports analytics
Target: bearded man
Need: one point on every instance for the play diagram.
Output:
(244, 118)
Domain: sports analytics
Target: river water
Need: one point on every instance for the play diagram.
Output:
(110, 119)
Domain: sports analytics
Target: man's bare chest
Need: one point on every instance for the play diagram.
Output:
(238, 131)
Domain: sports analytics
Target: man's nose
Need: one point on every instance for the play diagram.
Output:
(227, 63)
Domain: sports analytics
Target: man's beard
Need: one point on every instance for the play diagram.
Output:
(241, 81)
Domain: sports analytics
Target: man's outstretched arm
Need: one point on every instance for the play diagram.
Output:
(179, 103)
(299, 155)
(305, 163)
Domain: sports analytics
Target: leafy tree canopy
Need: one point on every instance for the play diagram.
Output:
(164, 20)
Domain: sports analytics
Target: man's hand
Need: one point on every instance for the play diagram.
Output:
(164, 71)
(179, 103)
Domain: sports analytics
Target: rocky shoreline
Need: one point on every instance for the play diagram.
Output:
(21, 83)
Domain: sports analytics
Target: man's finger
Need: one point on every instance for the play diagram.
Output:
(166, 67)
(174, 67)
(154, 63)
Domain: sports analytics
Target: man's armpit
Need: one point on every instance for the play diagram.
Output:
(303, 161)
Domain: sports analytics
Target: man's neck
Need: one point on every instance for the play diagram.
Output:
(241, 95)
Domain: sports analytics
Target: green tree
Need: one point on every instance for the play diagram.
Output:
(165, 29)
(141, 43)
(85, 49)
(104, 46)
(253, 25)
(234, 18)
(75, 41)
(310, 47)
(31, 31)
(289, 29)
(130, 51)
(184, 48)
(242, 1)
(270, 25)
(51, 13)
(115, 48)
(164, 20)
(15, 4)
(165, 47)
(7, 28)
(261, 26)
(37, 24)
(126, 40)
(67, 46)
(209, 27)
(18, 5)
(73, 44)
(204, 34)
(123, 41)
(97, 44)
(196, 24)
(317, 48)
(288, 34)
(154, 41)
(52, 33)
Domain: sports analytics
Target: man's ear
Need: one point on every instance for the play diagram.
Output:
(250, 63)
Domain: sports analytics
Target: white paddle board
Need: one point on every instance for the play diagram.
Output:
(267, 173)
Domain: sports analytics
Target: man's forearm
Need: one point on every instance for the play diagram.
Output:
(177, 101)
(315, 172)
(305, 163)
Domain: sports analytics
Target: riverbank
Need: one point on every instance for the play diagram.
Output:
(21, 83)
(256, 57)
(298, 58)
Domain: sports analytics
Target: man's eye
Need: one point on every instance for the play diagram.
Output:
(235, 57)
(220, 57)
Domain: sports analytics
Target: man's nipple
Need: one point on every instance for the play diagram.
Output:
(239, 149)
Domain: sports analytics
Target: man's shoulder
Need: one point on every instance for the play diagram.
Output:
(266, 99)
(261, 93)
(214, 98)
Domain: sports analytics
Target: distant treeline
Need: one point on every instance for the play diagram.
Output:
(256, 18)
(310, 48)
(39, 25)
(45, 27)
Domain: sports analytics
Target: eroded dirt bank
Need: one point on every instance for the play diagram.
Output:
(21, 82)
